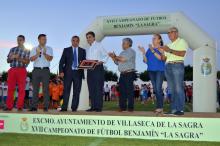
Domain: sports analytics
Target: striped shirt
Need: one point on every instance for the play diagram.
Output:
(23, 54)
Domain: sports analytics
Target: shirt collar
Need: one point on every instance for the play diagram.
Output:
(93, 43)
(176, 40)
(76, 47)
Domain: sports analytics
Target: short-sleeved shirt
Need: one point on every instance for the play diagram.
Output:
(129, 64)
(153, 63)
(41, 61)
(23, 54)
(178, 45)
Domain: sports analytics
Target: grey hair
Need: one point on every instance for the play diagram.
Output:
(129, 40)
(175, 28)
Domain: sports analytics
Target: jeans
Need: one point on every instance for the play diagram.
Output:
(157, 78)
(175, 77)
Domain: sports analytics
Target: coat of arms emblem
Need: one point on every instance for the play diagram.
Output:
(24, 124)
(206, 67)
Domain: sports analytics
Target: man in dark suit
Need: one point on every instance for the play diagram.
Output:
(68, 68)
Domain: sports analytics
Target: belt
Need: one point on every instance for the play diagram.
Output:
(128, 71)
(18, 67)
(175, 62)
(41, 68)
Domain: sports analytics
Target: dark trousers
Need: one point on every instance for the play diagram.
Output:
(95, 80)
(126, 88)
(107, 96)
(74, 78)
(40, 75)
(157, 78)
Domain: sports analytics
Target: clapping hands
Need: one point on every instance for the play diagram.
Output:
(111, 54)
(13, 56)
(142, 49)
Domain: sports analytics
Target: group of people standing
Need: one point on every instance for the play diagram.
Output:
(162, 60)
(19, 58)
(167, 61)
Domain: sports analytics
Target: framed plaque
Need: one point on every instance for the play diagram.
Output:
(88, 64)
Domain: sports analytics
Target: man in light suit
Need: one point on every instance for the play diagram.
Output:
(68, 68)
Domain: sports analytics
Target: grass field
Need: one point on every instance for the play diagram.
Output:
(43, 140)
(46, 140)
(149, 106)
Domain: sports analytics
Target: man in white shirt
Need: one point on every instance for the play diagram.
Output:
(41, 55)
(95, 77)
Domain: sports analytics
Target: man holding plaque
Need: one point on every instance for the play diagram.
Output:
(95, 77)
(68, 68)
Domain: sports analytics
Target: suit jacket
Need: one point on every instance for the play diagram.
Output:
(66, 61)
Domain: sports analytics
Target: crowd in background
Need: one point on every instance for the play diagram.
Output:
(143, 93)
(55, 90)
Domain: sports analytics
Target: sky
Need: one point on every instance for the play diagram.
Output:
(61, 19)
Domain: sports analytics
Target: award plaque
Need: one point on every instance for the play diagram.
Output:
(88, 64)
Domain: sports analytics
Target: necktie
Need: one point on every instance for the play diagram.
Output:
(74, 59)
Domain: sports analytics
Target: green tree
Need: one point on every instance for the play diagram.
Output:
(218, 75)
(109, 75)
(4, 76)
(188, 76)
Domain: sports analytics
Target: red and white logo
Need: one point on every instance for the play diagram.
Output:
(2, 124)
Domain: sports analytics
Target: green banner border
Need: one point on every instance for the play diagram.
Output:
(161, 128)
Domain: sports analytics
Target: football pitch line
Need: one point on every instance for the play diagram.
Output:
(96, 142)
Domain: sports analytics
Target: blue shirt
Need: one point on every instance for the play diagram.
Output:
(153, 63)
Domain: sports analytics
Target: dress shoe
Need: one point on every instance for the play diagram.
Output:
(130, 110)
(90, 110)
(179, 113)
(63, 110)
(45, 109)
(7, 109)
(98, 110)
(32, 110)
